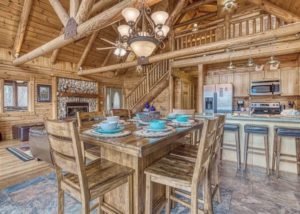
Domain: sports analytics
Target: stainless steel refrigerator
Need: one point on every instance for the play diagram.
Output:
(218, 98)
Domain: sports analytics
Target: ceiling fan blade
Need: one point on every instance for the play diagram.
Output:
(109, 42)
(106, 48)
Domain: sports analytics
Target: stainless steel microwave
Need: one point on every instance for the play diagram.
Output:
(268, 87)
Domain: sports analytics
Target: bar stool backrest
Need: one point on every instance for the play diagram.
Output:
(205, 151)
(67, 152)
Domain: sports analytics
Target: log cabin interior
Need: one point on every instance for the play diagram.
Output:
(149, 106)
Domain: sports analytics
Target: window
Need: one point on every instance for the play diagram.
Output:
(15, 95)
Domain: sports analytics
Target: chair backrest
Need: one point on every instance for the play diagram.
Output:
(185, 111)
(220, 132)
(87, 119)
(122, 113)
(205, 150)
(66, 151)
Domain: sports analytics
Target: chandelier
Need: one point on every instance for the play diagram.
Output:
(142, 33)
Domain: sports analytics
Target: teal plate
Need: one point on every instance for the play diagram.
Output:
(159, 130)
(119, 129)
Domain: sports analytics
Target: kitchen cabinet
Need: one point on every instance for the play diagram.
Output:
(256, 75)
(272, 75)
(290, 82)
(226, 78)
(241, 84)
(212, 79)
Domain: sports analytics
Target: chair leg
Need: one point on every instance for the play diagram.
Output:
(274, 152)
(207, 191)
(168, 201)
(100, 201)
(85, 207)
(194, 201)
(246, 150)
(266, 141)
(298, 154)
(217, 180)
(130, 195)
(149, 195)
(61, 200)
(278, 156)
(238, 149)
(221, 150)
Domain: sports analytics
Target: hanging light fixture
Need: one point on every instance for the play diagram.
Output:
(231, 66)
(273, 61)
(143, 41)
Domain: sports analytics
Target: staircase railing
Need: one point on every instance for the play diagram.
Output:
(154, 74)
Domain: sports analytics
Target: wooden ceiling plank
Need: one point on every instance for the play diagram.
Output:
(102, 20)
(60, 11)
(87, 49)
(277, 11)
(83, 11)
(104, 63)
(271, 34)
(74, 5)
(197, 4)
(22, 27)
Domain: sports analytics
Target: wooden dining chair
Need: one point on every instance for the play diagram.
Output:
(185, 175)
(83, 182)
(189, 152)
(122, 113)
(85, 120)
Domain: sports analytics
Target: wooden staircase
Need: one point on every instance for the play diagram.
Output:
(149, 87)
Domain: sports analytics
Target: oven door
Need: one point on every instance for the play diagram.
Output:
(261, 89)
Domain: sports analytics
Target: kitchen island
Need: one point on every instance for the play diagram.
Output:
(288, 144)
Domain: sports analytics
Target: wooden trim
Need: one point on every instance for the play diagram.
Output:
(280, 32)
(54, 98)
(22, 27)
(60, 11)
(1, 95)
(31, 95)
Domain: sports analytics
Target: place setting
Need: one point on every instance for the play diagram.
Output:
(180, 120)
(111, 127)
(155, 128)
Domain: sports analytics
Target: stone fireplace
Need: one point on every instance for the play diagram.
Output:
(72, 108)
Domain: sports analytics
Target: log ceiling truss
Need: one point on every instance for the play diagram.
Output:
(94, 20)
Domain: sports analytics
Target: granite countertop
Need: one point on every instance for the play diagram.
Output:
(265, 117)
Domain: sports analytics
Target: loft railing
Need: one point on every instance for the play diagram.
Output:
(154, 74)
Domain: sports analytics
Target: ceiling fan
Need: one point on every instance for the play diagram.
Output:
(120, 48)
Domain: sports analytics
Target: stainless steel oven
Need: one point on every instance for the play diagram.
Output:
(269, 87)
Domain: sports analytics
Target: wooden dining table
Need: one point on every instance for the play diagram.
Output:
(137, 153)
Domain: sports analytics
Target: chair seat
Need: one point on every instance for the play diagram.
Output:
(231, 127)
(185, 151)
(102, 176)
(288, 132)
(256, 129)
(172, 171)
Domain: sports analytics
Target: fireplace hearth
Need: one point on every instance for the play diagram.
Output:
(73, 107)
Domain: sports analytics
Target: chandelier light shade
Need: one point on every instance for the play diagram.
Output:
(160, 17)
(143, 46)
(124, 30)
(120, 52)
(130, 14)
(163, 32)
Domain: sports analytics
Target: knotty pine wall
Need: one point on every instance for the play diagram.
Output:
(40, 71)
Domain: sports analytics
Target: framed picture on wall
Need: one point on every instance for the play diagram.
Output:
(44, 93)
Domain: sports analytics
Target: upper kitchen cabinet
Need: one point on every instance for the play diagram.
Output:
(257, 75)
(226, 78)
(265, 75)
(290, 82)
(241, 84)
(212, 79)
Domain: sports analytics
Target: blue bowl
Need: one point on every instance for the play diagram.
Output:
(157, 124)
(109, 126)
(182, 118)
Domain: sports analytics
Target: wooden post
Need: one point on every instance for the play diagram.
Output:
(227, 26)
(201, 76)
(60, 11)
(148, 80)
(22, 27)
(31, 97)
(54, 98)
(171, 91)
(1, 95)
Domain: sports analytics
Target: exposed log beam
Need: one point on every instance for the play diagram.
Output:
(101, 5)
(176, 12)
(197, 4)
(74, 5)
(83, 11)
(100, 21)
(276, 49)
(60, 11)
(271, 34)
(55, 53)
(87, 49)
(198, 19)
(277, 11)
(104, 63)
(22, 27)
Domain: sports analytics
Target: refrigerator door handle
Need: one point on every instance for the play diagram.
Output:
(215, 102)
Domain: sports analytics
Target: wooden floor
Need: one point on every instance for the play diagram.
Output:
(14, 170)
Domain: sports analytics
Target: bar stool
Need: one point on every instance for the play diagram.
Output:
(285, 132)
(260, 130)
(231, 127)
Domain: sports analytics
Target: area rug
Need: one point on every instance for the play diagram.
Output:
(39, 195)
(22, 152)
